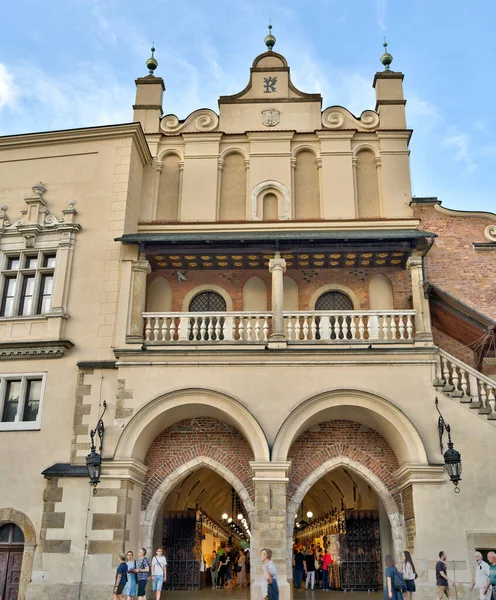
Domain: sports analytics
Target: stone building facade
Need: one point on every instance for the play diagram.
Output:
(269, 316)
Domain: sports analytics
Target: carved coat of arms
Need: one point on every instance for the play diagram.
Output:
(270, 117)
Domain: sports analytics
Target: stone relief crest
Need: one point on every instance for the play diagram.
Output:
(270, 117)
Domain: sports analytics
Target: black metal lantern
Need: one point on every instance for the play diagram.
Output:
(452, 458)
(94, 458)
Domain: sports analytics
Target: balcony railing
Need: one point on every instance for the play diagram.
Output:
(319, 327)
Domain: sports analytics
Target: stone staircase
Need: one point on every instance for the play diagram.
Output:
(459, 381)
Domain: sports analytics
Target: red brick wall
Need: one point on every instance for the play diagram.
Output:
(457, 349)
(191, 438)
(308, 282)
(454, 265)
(342, 438)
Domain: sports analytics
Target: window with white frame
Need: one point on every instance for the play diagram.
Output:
(27, 283)
(21, 397)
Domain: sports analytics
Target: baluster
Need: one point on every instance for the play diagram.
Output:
(305, 327)
(401, 327)
(148, 329)
(458, 379)
(483, 410)
(361, 327)
(353, 327)
(234, 328)
(409, 326)
(297, 327)
(455, 379)
(241, 327)
(265, 329)
(491, 400)
(393, 327)
(172, 329)
(164, 330)
(385, 328)
(344, 325)
(210, 327)
(448, 387)
(313, 327)
(257, 328)
(156, 329)
(463, 382)
(249, 328)
(290, 326)
(218, 328)
(438, 381)
(195, 327)
(203, 328)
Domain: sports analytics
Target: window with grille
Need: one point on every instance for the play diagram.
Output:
(340, 327)
(20, 401)
(27, 283)
(334, 301)
(207, 328)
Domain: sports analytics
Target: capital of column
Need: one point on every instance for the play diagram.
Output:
(414, 262)
(157, 164)
(277, 264)
(141, 266)
(271, 471)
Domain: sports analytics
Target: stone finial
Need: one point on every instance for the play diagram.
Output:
(39, 189)
(270, 40)
(152, 62)
(386, 58)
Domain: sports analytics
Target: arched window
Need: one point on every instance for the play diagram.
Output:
(207, 328)
(339, 327)
(334, 301)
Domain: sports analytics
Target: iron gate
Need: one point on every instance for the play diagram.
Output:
(182, 538)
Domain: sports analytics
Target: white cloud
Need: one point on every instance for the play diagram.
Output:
(7, 87)
(381, 13)
(460, 143)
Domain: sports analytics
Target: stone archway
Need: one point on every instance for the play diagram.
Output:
(10, 515)
(149, 516)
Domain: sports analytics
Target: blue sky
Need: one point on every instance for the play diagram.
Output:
(72, 63)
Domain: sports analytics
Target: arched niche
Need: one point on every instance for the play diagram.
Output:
(263, 194)
(306, 186)
(159, 296)
(291, 301)
(270, 203)
(232, 204)
(381, 293)
(368, 202)
(254, 295)
(169, 187)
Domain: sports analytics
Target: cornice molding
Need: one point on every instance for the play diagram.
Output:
(34, 350)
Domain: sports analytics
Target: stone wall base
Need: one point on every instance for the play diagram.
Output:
(70, 591)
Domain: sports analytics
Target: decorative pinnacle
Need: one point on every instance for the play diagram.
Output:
(386, 58)
(270, 40)
(152, 62)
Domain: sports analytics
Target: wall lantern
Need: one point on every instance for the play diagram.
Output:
(224, 516)
(452, 458)
(94, 458)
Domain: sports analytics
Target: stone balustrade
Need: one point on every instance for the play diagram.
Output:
(469, 386)
(299, 326)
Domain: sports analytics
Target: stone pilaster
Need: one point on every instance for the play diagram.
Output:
(277, 266)
(140, 269)
(423, 331)
(269, 528)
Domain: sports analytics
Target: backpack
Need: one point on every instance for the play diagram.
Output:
(317, 564)
(398, 581)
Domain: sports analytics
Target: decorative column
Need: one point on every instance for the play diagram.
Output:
(277, 266)
(139, 270)
(423, 331)
(270, 481)
(157, 167)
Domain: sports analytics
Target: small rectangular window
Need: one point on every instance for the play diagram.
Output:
(32, 402)
(31, 262)
(49, 261)
(27, 295)
(45, 294)
(9, 290)
(12, 394)
(13, 263)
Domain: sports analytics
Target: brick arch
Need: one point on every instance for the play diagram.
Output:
(345, 439)
(197, 438)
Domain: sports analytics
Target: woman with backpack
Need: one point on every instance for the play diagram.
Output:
(394, 583)
(409, 575)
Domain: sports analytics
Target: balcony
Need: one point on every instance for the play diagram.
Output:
(300, 327)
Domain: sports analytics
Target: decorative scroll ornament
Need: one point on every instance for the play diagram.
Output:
(200, 120)
(270, 117)
(336, 117)
(490, 233)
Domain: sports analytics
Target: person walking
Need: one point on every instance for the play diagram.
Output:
(394, 580)
(491, 557)
(326, 569)
(159, 572)
(442, 580)
(409, 575)
(214, 564)
(229, 567)
(142, 572)
(481, 575)
(270, 588)
(298, 564)
(222, 569)
(241, 569)
(130, 587)
(309, 567)
(120, 578)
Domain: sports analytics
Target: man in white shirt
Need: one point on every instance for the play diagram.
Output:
(159, 572)
(481, 575)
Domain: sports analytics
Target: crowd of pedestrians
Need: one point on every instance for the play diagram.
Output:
(230, 568)
(132, 575)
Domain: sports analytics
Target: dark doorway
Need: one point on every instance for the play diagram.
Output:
(11, 552)
(182, 541)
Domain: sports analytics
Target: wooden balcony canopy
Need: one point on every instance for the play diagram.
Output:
(301, 249)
